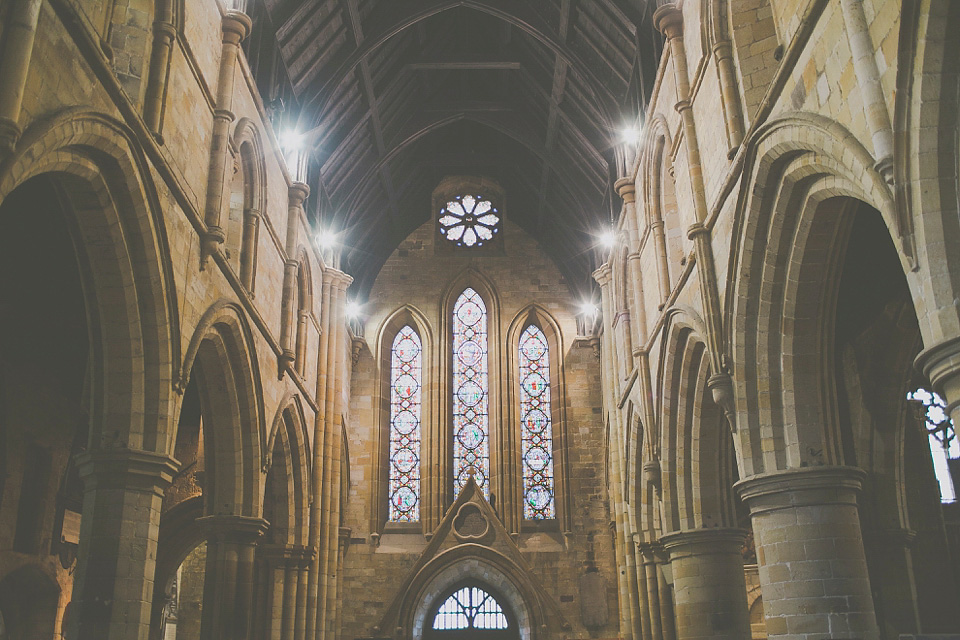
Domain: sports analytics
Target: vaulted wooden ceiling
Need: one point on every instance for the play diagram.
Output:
(397, 94)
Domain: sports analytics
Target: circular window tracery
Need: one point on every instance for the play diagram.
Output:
(469, 220)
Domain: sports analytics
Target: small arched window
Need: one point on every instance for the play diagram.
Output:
(406, 385)
(942, 437)
(536, 425)
(471, 416)
(470, 608)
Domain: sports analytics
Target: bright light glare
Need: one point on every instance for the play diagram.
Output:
(608, 239)
(588, 308)
(291, 140)
(631, 135)
(354, 309)
(326, 240)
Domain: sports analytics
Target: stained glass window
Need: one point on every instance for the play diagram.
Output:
(405, 401)
(471, 443)
(469, 221)
(942, 437)
(536, 425)
(470, 608)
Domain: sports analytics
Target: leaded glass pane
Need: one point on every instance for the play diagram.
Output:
(471, 442)
(536, 425)
(469, 221)
(405, 401)
(470, 608)
(942, 437)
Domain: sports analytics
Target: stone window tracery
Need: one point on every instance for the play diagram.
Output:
(470, 608)
(471, 441)
(469, 220)
(942, 437)
(536, 425)
(406, 386)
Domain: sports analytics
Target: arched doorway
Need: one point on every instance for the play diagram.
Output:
(471, 611)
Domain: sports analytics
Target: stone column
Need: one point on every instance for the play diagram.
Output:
(813, 570)
(228, 585)
(652, 612)
(729, 94)
(709, 589)
(113, 590)
(164, 33)
(236, 27)
(297, 193)
(14, 65)
(868, 80)
(248, 250)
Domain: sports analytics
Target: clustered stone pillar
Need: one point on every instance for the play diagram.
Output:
(627, 579)
(113, 589)
(709, 589)
(813, 570)
(236, 27)
(230, 569)
(14, 64)
(328, 548)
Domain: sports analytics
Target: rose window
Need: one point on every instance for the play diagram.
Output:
(469, 221)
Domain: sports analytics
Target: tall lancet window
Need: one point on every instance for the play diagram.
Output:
(405, 400)
(536, 425)
(471, 441)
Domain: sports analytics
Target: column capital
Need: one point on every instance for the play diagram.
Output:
(236, 26)
(626, 189)
(9, 135)
(126, 469)
(232, 528)
(603, 275)
(336, 278)
(940, 362)
(297, 192)
(700, 542)
(804, 487)
(669, 20)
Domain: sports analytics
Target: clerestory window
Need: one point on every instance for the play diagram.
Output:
(471, 417)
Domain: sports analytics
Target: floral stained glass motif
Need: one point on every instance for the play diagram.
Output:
(536, 425)
(405, 401)
(469, 221)
(942, 437)
(470, 608)
(471, 442)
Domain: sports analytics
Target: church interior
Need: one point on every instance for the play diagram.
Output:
(479, 319)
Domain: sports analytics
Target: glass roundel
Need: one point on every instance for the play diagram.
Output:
(471, 442)
(536, 425)
(470, 608)
(405, 402)
(469, 221)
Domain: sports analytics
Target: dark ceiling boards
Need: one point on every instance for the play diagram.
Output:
(397, 94)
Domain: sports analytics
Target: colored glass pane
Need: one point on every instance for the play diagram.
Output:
(536, 426)
(469, 221)
(942, 437)
(470, 608)
(471, 442)
(405, 401)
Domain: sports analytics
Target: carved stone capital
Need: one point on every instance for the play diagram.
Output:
(9, 136)
(803, 487)
(626, 189)
(702, 542)
(132, 469)
(232, 528)
(297, 193)
(669, 20)
(236, 26)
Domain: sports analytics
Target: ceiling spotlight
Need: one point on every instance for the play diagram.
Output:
(588, 308)
(326, 240)
(608, 239)
(291, 140)
(354, 309)
(631, 135)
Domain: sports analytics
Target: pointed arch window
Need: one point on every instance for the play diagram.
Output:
(942, 437)
(471, 441)
(406, 385)
(536, 425)
(470, 608)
